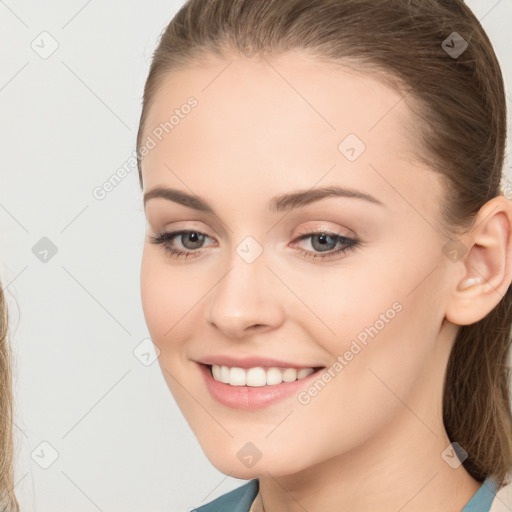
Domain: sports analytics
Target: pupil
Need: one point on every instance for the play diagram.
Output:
(323, 240)
(192, 240)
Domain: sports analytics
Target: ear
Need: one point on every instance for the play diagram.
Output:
(485, 261)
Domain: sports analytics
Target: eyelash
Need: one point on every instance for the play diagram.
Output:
(165, 238)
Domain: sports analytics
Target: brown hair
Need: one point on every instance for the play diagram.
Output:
(8, 502)
(461, 134)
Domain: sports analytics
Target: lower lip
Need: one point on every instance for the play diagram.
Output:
(249, 397)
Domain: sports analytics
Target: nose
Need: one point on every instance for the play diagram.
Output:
(246, 299)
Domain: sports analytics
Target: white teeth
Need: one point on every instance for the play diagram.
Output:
(237, 377)
(224, 374)
(304, 372)
(290, 374)
(258, 376)
(217, 370)
(274, 376)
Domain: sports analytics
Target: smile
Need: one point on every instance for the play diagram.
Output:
(258, 376)
(256, 387)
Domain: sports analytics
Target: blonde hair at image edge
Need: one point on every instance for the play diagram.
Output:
(462, 105)
(8, 501)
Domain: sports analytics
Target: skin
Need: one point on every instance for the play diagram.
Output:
(269, 127)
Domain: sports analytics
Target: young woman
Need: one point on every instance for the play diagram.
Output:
(328, 262)
(8, 501)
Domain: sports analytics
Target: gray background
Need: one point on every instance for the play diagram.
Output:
(113, 438)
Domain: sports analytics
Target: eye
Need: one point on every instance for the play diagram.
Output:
(324, 243)
(190, 240)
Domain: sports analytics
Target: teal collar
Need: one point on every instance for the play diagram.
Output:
(241, 498)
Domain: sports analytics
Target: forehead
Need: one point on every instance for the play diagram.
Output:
(291, 85)
(279, 118)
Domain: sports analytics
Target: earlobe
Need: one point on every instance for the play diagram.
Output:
(487, 264)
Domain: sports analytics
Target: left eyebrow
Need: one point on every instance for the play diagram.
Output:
(301, 198)
(280, 203)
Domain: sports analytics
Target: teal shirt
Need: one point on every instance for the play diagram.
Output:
(240, 499)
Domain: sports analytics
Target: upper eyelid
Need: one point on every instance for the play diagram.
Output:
(345, 231)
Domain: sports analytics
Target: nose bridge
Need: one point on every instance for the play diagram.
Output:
(244, 296)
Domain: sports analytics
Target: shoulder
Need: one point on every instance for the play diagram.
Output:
(483, 498)
(237, 500)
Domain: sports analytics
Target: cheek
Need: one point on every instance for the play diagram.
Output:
(165, 310)
(151, 294)
(166, 295)
(367, 390)
(161, 297)
(381, 329)
(380, 297)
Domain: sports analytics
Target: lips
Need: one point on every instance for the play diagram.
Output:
(248, 397)
(253, 362)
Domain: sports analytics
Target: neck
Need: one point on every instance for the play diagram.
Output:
(375, 479)
(399, 468)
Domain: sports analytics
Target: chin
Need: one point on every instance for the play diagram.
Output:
(234, 466)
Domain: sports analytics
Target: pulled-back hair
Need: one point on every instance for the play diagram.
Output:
(461, 134)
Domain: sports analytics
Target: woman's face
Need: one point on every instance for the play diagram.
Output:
(253, 290)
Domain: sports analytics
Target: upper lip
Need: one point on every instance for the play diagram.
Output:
(251, 362)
